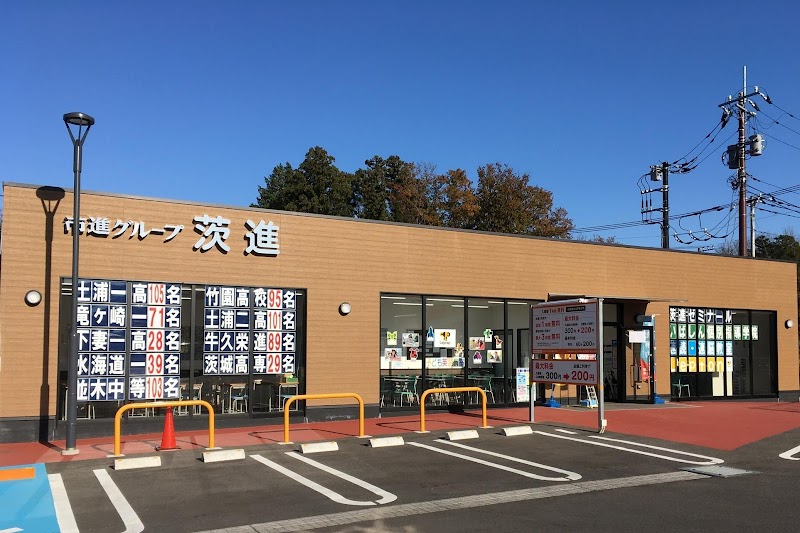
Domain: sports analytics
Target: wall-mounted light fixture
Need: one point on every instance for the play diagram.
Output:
(33, 298)
(345, 308)
(789, 324)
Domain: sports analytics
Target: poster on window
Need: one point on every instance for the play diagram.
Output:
(410, 340)
(444, 338)
(494, 356)
(477, 343)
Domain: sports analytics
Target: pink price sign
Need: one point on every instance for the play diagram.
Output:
(571, 372)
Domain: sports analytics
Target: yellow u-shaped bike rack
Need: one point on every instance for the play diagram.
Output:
(449, 390)
(322, 397)
(151, 405)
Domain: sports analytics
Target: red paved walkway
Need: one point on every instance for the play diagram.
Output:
(718, 425)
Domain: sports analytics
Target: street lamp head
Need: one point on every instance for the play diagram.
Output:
(78, 119)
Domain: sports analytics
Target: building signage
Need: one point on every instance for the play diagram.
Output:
(572, 372)
(117, 318)
(238, 318)
(261, 237)
(565, 328)
(702, 339)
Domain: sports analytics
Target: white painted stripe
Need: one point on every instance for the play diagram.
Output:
(708, 460)
(129, 517)
(10, 530)
(386, 497)
(571, 476)
(64, 514)
(335, 496)
(376, 515)
(487, 463)
(788, 454)
(567, 431)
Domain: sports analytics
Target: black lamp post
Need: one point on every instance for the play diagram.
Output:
(76, 121)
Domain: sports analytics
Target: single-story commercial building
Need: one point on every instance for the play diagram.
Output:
(244, 307)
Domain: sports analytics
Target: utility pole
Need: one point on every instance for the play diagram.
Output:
(657, 173)
(737, 153)
(741, 174)
(665, 206)
(753, 202)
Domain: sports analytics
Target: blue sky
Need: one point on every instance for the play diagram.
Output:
(198, 101)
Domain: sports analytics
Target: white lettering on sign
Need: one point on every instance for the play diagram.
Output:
(565, 371)
(261, 236)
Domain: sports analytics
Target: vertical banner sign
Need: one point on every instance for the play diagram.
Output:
(522, 383)
(274, 330)
(226, 331)
(102, 311)
(155, 339)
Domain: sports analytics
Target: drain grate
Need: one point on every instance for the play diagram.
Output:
(719, 471)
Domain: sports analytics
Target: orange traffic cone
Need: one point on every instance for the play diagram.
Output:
(168, 438)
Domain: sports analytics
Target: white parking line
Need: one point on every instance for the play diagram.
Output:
(708, 460)
(790, 453)
(332, 495)
(64, 514)
(386, 497)
(129, 517)
(571, 476)
(568, 432)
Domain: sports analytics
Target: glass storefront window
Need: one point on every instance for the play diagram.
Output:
(242, 349)
(722, 352)
(462, 341)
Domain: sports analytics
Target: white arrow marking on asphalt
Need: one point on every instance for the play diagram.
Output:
(332, 495)
(571, 476)
(708, 460)
(129, 517)
(64, 515)
(790, 453)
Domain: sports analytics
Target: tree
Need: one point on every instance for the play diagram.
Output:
(412, 192)
(598, 239)
(509, 204)
(370, 190)
(316, 186)
(457, 203)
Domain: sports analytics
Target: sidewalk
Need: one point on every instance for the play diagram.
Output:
(717, 425)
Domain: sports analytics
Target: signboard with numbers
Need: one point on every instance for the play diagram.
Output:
(240, 321)
(155, 334)
(564, 327)
(274, 330)
(571, 372)
(117, 318)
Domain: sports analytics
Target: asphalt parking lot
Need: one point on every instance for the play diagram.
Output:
(552, 477)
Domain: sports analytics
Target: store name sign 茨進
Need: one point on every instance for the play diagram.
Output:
(214, 231)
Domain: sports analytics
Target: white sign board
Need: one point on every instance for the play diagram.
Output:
(522, 384)
(565, 328)
(571, 372)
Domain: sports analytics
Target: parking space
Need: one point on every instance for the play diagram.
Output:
(277, 483)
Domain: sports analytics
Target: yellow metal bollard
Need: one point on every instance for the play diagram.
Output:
(447, 391)
(150, 405)
(322, 397)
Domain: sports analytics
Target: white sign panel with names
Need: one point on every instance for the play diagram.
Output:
(570, 372)
(565, 328)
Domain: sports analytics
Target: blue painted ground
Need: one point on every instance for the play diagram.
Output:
(27, 504)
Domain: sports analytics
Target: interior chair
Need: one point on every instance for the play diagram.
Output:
(680, 385)
(237, 398)
(408, 391)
